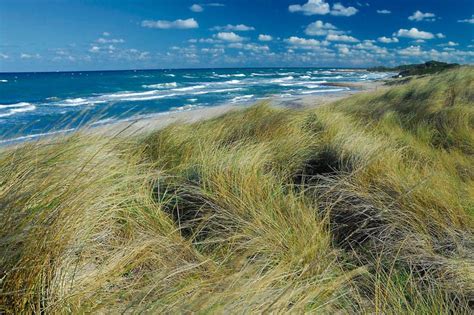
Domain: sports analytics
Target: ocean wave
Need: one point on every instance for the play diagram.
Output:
(3, 81)
(170, 75)
(33, 136)
(160, 85)
(280, 80)
(217, 91)
(17, 108)
(324, 91)
(241, 98)
(184, 108)
(189, 88)
(232, 82)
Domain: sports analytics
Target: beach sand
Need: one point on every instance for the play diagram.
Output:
(156, 122)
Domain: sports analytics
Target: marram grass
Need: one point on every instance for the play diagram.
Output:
(362, 206)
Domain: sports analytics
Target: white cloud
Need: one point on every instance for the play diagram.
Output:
(384, 11)
(235, 28)
(321, 7)
(229, 37)
(420, 16)
(341, 38)
(312, 7)
(265, 38)
(470, 21)
(110, 41)
(251, 47)
(3, 56)
(177, 24)
(29, 56)
(105, 34)
(440, 35)
(387, 40)
(411, 51)
(340, 10)
(450, 44)
(303, 42)
(319, 28)
(196, 8)
(94, 49)
(413, 33)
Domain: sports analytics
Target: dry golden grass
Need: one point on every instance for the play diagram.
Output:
(362, 206)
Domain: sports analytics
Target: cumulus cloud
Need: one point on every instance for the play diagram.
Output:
(413, 33)
(235, 28)
(341, 38)
(3, 56)
(265, 38)
(470, 21)
(388, 40)
(303, 42)
(312, 7)
(449, 44)
(229, 37)
(105, 34)
(250, 47)
(440, 35)
(321, 7)
(340, 10)
(110, 40)
(319, 28)
(411, 51)
(177, 24)
(420, 16)
(196, 8)
(384, 11)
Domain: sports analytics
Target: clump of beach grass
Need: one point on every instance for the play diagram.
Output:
(362, 206)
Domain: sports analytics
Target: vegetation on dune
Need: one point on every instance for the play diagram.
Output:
(362, 206)
(429, 67)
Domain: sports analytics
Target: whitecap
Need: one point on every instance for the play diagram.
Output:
(241, 98)
(160, 85)
(323, 91)
(189, 88)
(217, 91)
(184, 108)
(17, 108)
(3, 81)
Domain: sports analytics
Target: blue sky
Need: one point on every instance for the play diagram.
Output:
(40, 35)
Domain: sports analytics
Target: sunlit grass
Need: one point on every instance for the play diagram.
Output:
(362, 206)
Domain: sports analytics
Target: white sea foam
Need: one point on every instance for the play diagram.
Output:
(239, 75)
(13, 109)
(160, 85)
(37, 135)
(21, 104)
(170, 75)
(242, 98)
(217, 91)
(184, 108)
(3, 81)
(189, 88)
(323, 91)
(280, 80)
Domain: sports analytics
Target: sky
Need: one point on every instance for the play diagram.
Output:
(67, 35)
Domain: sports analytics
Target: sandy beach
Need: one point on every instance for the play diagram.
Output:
(155, 122)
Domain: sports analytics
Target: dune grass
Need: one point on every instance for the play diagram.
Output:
(362, 206)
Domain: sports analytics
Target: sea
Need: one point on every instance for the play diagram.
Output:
(38, 104)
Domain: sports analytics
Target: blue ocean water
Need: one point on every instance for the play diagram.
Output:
(36, 104)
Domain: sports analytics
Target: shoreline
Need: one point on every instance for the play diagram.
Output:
(153, 122)
(161, 120)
